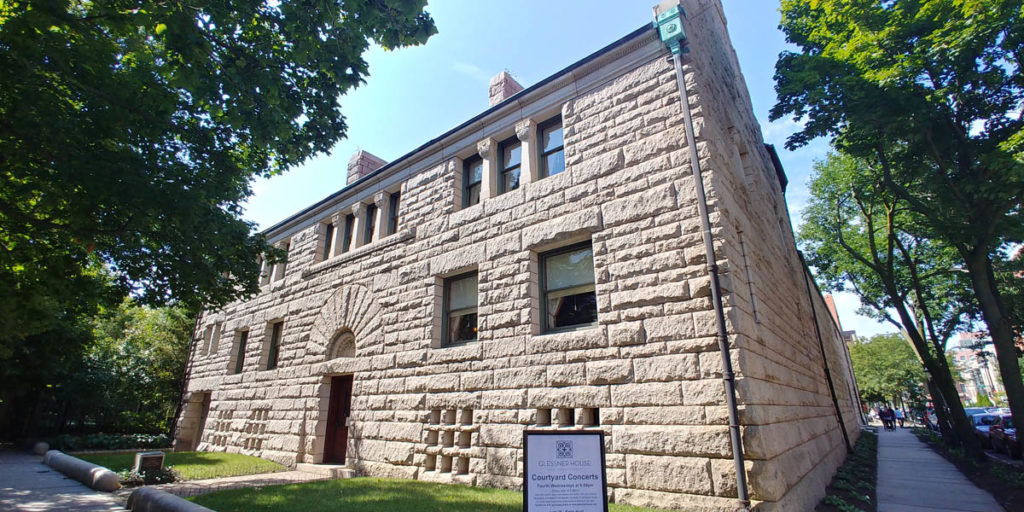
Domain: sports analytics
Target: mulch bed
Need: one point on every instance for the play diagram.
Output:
(853, 487)
(1004, 482)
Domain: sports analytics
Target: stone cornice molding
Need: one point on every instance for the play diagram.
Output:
(486, 147)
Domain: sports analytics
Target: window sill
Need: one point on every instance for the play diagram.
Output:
(401, 236)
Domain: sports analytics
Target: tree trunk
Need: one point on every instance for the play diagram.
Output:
(935, 363)
(962, 427)
(941, 411)
(979, 265)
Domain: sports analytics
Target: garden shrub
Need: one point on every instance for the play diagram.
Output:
(109, 442)
(132, 478)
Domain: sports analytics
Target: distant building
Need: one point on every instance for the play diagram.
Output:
(849, 336)
(975, 358)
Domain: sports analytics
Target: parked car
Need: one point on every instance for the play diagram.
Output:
(1003, 435)
(981, 424)
(971, 411)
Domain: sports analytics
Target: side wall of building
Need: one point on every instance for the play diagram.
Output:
(791, 433)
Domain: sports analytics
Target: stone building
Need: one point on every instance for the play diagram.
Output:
(542, 266)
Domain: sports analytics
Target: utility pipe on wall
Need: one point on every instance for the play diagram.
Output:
(668, 19)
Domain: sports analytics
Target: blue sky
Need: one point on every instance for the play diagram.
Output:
(415, 94)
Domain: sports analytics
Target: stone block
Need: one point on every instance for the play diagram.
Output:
(566, 227)
(609, 372)
(710, 441)
(652, 393)
(645, 204)
(627, 333)
(690, 475)
(670, 368)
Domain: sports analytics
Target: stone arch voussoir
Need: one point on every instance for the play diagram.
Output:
(350, 307)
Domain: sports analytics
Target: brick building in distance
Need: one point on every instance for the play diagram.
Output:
(543, 266)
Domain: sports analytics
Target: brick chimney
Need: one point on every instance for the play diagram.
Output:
(503, 86)
(361, 164)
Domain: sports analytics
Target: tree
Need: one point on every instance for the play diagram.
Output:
(130, 133)
(981, 400)
(859, 234)
(886, 368)
(928, 91)
(124, 374)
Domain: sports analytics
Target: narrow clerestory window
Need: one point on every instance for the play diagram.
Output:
(552, 147)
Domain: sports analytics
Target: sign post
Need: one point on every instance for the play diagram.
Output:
(564, 471)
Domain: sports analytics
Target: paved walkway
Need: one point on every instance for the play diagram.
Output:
(913, 478)
(28, 485)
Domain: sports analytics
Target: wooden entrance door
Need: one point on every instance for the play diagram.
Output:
(337, 419)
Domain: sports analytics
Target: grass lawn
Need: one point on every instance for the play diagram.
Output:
(371, 495)
(192, 465)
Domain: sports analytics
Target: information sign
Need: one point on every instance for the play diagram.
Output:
(148, 461)
(564, 471)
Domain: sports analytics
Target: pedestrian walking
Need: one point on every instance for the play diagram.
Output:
(888, 418)
(899, 417)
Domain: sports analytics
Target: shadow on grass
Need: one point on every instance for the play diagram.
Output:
(368, 495)
(193, 465)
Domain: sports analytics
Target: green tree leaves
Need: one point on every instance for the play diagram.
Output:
(886, 367)
(927, 94)
(132, 131)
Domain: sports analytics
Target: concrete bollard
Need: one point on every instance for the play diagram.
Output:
(41, 448)
(148, 499)
(97, 477)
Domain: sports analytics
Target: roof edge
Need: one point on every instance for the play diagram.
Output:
(490, 110)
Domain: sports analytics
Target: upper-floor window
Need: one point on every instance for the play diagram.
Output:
(371, 221)
(274, 345)
(238, 362)
(510, 153)
(210, 339)
(265, 269)
(460, 308)
(473, 175)
(346, 238)
(328, 241)
(280, 268)
(552, 147)
(393, 213)
(569, 299)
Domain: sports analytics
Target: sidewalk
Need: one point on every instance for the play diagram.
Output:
(913, 478)
(27, 485)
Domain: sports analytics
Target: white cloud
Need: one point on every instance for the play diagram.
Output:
(776, 132)
(472, 71)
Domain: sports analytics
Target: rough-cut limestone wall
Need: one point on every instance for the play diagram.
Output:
(650, 366)
(791, 436)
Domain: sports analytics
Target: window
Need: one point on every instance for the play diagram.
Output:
(552, 145)
(472, 176)
(371, 221)
(346, 239)
(328, 240)
(393, 213)
(241, 340)
(511, 154)
(460, 302)
(274, 348)
(280, 267)
(568, 298)
(264, 271)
